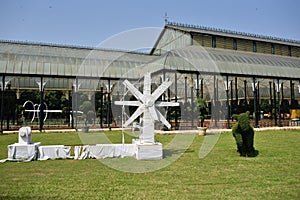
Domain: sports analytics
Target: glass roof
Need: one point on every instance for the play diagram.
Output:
(45, 60)
(61, 65)
(219, 61)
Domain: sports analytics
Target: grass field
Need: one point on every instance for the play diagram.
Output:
(222, 174)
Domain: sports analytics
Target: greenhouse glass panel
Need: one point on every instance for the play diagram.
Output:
(68, 69)
(39, 68)
(3, 65)
(47, 68)
(54, 69)
(10, 66)
(61, 69)
(18, 67)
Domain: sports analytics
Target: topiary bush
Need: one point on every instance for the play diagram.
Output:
(243, 133)
(203, 110)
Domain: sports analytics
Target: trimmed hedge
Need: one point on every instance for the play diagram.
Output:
(243, 133)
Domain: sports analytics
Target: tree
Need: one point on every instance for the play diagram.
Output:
(31, 95)
(265, 106)
(285, 106)
(243, 106)
(88, 114)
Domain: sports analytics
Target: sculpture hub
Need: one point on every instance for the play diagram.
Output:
(149, 102)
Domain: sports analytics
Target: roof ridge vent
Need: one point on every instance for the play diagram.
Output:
(220, 30)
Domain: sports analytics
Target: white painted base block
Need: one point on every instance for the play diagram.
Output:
(149, 151)
(23, 152)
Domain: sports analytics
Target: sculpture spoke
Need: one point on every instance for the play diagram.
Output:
(163, 120)
(153, 113)
(165, 104)
(128, 103)
(147, 84)
(160, 90)
(135, 115)
(133, 90)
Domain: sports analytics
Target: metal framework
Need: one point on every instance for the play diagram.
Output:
(47, 67)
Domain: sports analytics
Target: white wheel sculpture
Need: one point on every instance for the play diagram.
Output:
(147, 105)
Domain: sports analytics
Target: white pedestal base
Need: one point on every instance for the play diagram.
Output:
(149, 151)
(23, 152)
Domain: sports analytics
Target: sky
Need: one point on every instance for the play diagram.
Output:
(90, 22)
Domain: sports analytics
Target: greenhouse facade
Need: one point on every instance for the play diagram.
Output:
(48, 86)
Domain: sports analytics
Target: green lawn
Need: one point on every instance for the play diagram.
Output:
(222, 174)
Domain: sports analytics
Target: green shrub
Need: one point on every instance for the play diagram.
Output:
(203, 110)
(244, 136)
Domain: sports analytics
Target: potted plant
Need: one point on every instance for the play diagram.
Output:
(85, 128)
(203, 112)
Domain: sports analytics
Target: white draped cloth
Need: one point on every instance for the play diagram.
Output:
(54, 152)
(105, 151)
